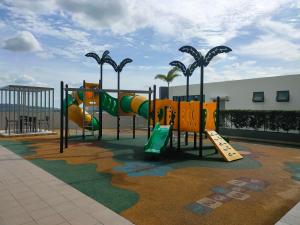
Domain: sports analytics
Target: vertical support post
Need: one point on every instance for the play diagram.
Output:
(83, 106)
(178, 124)
(52, 110)
(61, 117)
(14, 101)
(195, 140)
(1, 114)
(41, 110)
(66, 117)
(149, 111)
(218, 115)
(100, 106)
(154, 104)
(133, 126)
(9, 106)
(217, 118)
(201, 114)
(49, 109)
(187, 99)
(32, 106)
(28, 110)
(118, 116)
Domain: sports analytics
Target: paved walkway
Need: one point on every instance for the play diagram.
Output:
(292, 217)
(31, 196)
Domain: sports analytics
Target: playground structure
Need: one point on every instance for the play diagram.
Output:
(164, 115)
(26, 110)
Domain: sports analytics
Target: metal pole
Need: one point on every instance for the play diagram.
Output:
(28, 110)
(218, 115)
(45, 109)
(36, 109)
(118, 116)
(3, 107)
(178, 125)
(201, 113)
(83, 119)
(66, 118)
(41, 109)
(187, 99)
(14, 91)
(218, 118)
(154, 103)
(61, 117)
(149, 111)
(100, 106)
(49, 110)
(195, 140)
(133, 127)
(31, 112)
(52, 110)
(9, 100)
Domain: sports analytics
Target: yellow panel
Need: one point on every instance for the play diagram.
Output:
(136, 102)
(224, 148)
(75, 114)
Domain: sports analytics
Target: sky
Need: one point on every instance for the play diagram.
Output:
(44, 42)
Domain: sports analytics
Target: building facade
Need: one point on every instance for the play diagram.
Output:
(268, 93)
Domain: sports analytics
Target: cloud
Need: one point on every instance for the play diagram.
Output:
(23, 42)
(281, 29)
(211, 23)
(272, 47)
(23, 79)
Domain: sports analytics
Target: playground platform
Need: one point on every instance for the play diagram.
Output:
(33, 196)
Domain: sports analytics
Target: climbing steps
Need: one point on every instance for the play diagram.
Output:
(223, 147)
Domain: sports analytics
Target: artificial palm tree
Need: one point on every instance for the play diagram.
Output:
(169, 77)
(203, 62)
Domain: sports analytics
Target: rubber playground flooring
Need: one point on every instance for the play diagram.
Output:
(177, 188)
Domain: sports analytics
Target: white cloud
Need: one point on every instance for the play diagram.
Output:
(281, 29)
(23, 79)
(214, 22)
(2, 24)
(23, 42)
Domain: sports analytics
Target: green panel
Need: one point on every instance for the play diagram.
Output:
(126, 103)
(158, 140)
(143, 110)
(80, 95)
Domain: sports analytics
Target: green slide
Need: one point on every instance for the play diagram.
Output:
(159, 139)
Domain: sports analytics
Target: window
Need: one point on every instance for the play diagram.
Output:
(283, 96)
(258, 96)
(191, 98)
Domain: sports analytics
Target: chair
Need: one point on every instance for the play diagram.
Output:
(8, 124)
(44, 122)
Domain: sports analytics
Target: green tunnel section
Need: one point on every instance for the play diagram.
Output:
(84, 177)
(126, 106)
(110, 105)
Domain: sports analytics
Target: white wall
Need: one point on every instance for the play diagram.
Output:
(240, 92)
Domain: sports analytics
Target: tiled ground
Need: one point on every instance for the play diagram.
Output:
(292, 217)
(31, 196)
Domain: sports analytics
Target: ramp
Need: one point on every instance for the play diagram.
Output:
(223, 147)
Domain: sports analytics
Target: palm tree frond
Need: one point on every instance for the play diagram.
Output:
(94, 56)
(178, 64)
(123, 63)
(161, 77)
(215, 51)
(192, 51)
